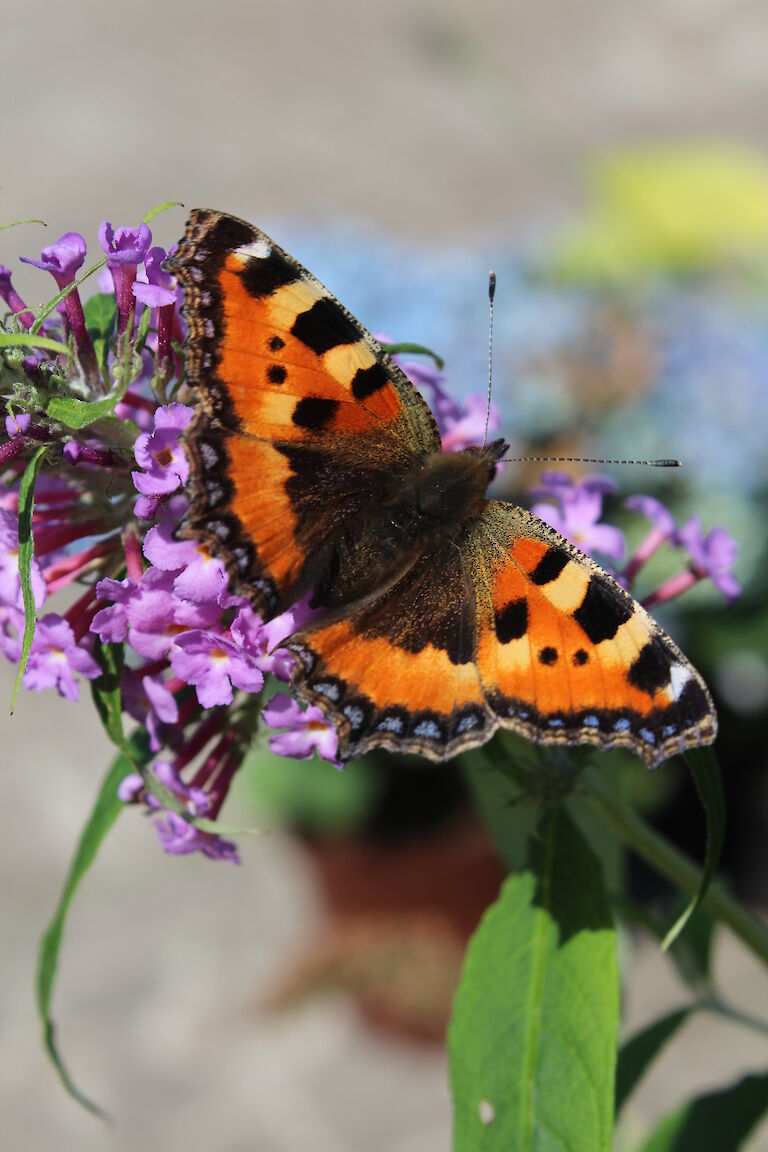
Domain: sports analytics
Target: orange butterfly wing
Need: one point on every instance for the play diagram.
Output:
(509, 626)
(300, 409)
(566, 656)
(398, 671)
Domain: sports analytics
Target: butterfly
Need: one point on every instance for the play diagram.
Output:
(317, 469)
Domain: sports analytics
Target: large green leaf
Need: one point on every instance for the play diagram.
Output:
(717, 1122)
(533, 1037)
(103, 815)
(639, 1052)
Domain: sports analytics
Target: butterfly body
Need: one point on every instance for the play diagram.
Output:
(318, 470)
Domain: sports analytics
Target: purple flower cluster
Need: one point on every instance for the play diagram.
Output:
(109, 506)
(178, 615)
(196, 656)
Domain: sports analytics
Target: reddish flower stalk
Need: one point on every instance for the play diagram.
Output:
(131, 400)
(134, 565)
(52, 536)
(219, 769)
(164, 360)
(13, 300)
(83, 343)
(85, 454)
(672, 588)
(82, 612)
(62, 573)
(198, 740)
(190, 706)
(62, 260)
(10, 450)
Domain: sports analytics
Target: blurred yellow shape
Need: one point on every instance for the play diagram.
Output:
(675, 208)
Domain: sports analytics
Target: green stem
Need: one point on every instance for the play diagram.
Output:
(666, 859)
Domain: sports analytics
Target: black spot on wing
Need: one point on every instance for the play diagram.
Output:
(276, 374)
(601, 612)
(323, 326)
(548, 655)
(580, 657)
(366, 381)
(275, 343)
(263, 275)
(314, 412)
(651, 669)
(512, 621)
(550, 566)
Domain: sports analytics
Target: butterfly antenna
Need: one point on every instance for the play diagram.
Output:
(491, 294)
(588, 460)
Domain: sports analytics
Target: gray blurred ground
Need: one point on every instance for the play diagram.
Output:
(438, 121)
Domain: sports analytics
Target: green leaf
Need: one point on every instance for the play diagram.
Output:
(31, 340)
(717, 1122)
(639, 1052)
(103, 815)
(106, 690)
(74, 413)
(705, 770)
(533, 1038)
(160, 208)
(80, 413)
(418, 349)
(26, 554)
(100, 315)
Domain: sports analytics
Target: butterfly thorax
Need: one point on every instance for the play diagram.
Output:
(433, 500)
(445, 491)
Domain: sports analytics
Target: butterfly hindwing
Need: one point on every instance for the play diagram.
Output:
(399, 670)
(566, 656)
(300, 409)
(509, 625)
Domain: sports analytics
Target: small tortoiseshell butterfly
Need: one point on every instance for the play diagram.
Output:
(317, 467)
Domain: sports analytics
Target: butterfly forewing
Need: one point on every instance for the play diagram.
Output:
(300, 409)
